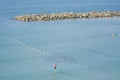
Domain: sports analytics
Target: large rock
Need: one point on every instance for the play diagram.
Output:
(64, 15)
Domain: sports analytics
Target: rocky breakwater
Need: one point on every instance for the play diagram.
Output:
(64, 15)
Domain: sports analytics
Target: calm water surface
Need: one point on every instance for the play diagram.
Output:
(83, 49)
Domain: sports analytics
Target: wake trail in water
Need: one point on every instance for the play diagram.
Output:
(55, 58)
(45, 54)
(40, 51)
(50, 57)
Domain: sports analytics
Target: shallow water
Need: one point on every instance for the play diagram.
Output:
(83, 49)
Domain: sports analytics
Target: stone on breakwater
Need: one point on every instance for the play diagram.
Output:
(64, 15)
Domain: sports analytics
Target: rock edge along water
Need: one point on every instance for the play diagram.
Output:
(66, 15)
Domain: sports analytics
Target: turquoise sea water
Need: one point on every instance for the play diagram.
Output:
(83, 49)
